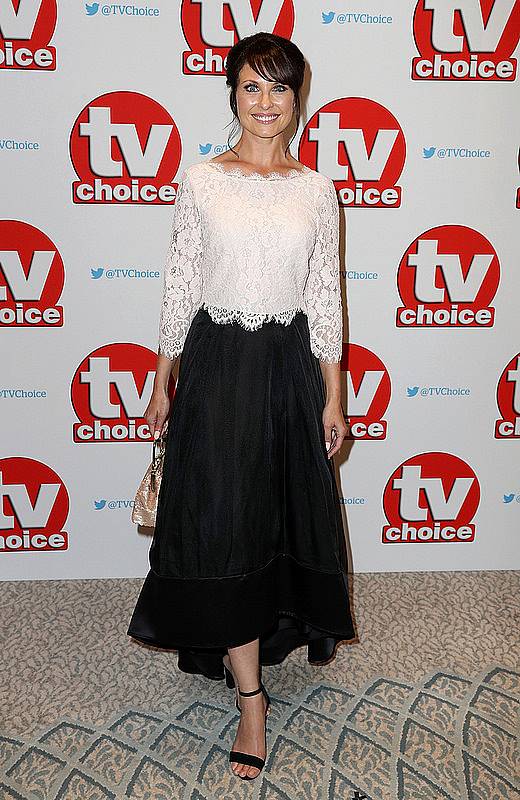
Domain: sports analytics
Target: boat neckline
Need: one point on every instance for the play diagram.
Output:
(236, 172)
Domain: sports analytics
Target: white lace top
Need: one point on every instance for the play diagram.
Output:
(251, 248)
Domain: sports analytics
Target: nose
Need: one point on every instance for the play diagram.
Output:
(266, 102)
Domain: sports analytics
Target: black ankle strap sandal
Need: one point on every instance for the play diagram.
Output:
(230, 683)
(248, 758)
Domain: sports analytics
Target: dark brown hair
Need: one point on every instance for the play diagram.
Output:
(275, 59)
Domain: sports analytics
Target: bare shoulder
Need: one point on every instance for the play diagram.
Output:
(295, 164)
(222, 158)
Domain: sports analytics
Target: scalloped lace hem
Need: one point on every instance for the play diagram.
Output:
(324, 351)
(327, 353)
(248, 320)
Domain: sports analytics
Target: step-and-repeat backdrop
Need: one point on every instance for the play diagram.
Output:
(413, 109)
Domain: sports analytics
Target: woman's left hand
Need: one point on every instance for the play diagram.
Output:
(334, 426)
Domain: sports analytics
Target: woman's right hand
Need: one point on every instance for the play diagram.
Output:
(156, 412)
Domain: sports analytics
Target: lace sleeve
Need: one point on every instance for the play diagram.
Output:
(182, 284)
(322, 294)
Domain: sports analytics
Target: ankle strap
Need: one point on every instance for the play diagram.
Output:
(248, 694)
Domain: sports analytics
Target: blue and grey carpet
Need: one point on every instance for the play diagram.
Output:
(424, 706)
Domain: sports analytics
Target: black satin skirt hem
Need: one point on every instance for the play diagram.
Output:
(288, 636)
(275, 604)
(291, 632)
(208, 661)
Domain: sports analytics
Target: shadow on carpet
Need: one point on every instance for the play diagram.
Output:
(447, 737)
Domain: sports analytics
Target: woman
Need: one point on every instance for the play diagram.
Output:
(248, 558)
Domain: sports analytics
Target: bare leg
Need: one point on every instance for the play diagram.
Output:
(250, 732)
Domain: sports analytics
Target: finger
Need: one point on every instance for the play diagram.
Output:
(332, 451)
(158, 429)
(329, 435)
(336, 444)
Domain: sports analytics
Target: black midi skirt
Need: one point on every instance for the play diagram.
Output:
(249, 538)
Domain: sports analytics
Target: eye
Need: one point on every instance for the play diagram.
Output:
(279, 86)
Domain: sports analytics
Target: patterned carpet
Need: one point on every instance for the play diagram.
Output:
(444, 737)
(424, 705)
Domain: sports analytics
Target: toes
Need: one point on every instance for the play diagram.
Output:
(245, 771)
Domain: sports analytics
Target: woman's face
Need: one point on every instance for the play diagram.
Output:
(265, 108)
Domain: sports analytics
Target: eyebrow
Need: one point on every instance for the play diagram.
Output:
(253, 80)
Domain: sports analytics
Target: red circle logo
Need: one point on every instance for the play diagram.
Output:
(110, 391)
(34, 507)
(31, 277)
(361, 146)
(431, 497)
(125, 149)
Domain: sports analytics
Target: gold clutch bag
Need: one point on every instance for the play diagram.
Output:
(145, 502)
